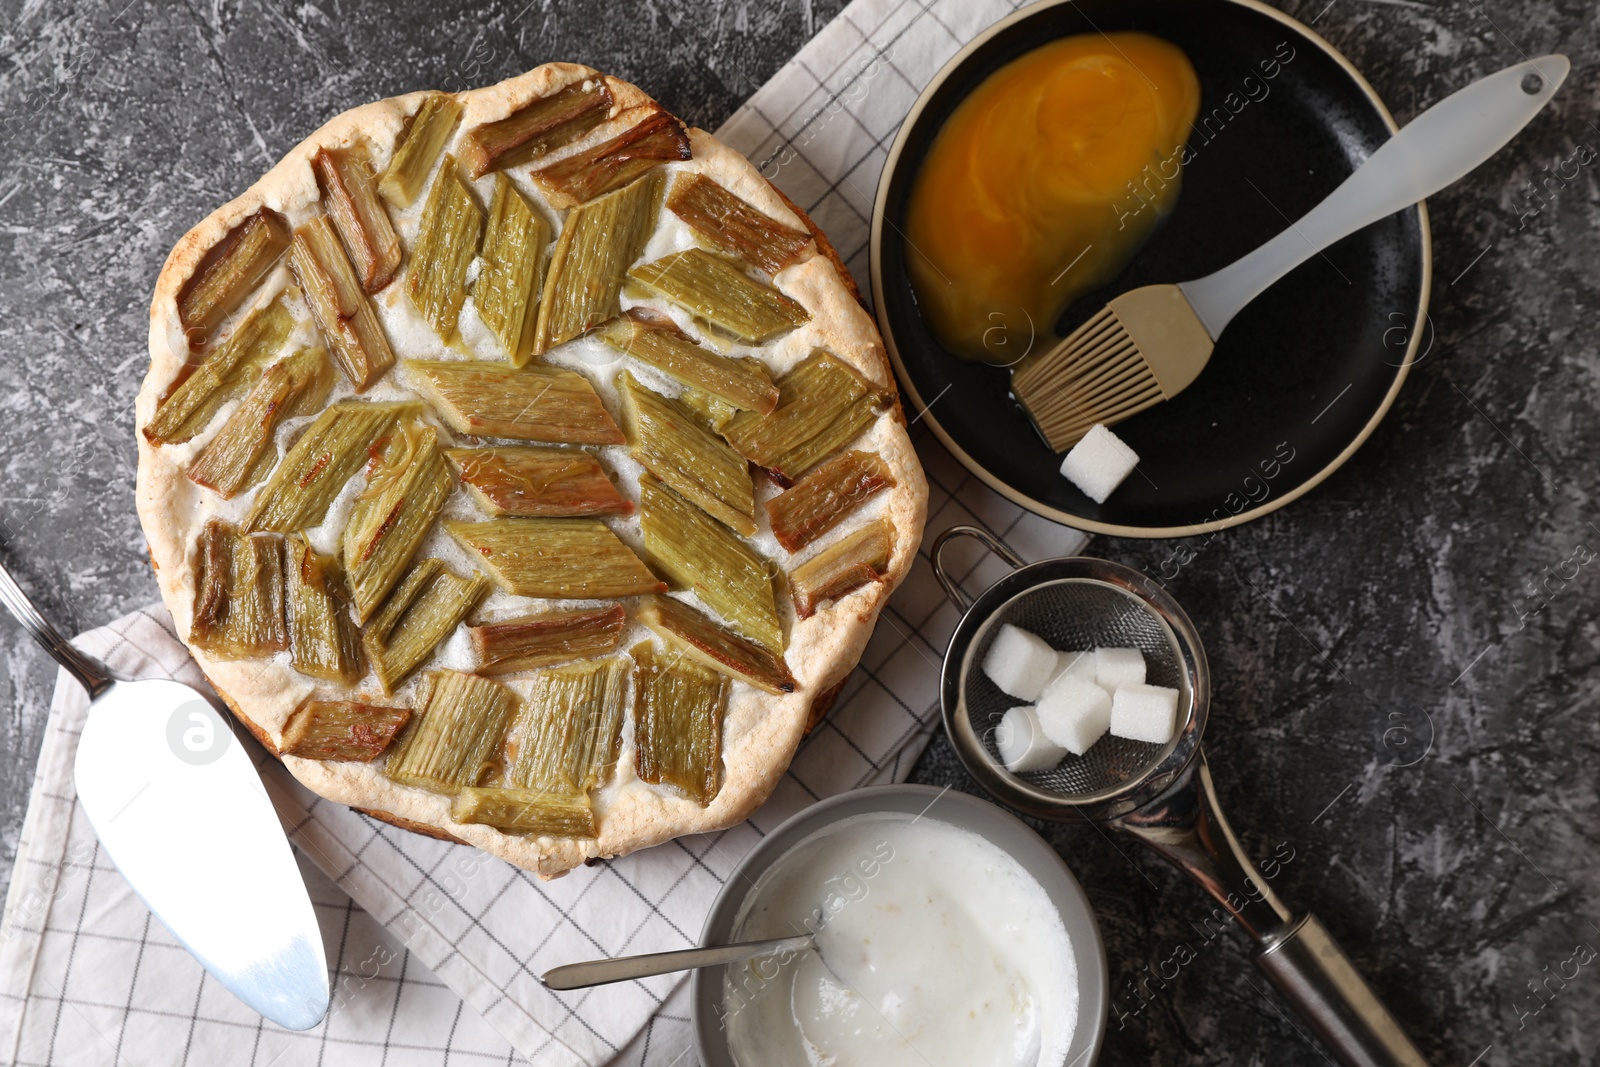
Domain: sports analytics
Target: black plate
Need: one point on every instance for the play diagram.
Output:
(1297, 381)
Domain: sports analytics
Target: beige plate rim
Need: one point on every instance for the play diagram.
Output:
(1045, 510)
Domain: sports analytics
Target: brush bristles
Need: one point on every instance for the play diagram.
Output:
(1096, 375)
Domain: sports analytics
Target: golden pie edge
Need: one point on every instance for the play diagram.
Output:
(763, 730)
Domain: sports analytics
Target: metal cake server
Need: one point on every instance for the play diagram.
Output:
(181, 811)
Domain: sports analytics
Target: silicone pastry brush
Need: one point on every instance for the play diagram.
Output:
(1150, 344)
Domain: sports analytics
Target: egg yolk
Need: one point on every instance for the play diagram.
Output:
(1043, 184)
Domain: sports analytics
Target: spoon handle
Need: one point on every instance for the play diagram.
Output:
(626, 968)
(90, 672)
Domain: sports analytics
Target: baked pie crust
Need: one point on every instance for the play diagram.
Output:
(760, 730)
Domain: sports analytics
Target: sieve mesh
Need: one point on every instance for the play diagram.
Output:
(1073, 614)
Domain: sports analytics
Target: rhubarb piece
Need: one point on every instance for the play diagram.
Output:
(670, 443)
(225, 373)
(343, 730)
(536, 403)
(526, 811)
(713, 411)
(323, 640)
(822, 398)
(351, 200)
(404, 493)
(742, 383)
(339, 306)
(733, 226)
(825, 497)
(316, 256)
(536, 128)
(703, 639)
(244, 451)
(556, 558)
(460, 722)
(531, 641)
(229, 273)
(678, 707)
(320, 462)
(533, 482)
(421, 612)
(507, 290)
(598, 242)
(699, 553)
(843, 567)
(256, 623)
(812, 395)
(238, 593)
(447, 243)
(721, 293)
(630, 155)
(848, 425)
(567, 733)
(213, 574)
(420, 147)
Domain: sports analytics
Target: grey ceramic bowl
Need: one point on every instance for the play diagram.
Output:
(986, 820)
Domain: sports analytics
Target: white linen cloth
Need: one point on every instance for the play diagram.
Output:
(435, 947)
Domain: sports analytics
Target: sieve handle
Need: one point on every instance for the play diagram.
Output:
(951, 589)
(1310, 970)
(1186, 826)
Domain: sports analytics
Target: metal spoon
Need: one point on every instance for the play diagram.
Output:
(627, 968)
(180, 810)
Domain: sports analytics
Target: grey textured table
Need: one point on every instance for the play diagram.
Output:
(1400, 722)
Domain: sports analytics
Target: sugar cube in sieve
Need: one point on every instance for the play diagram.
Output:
(1023, 744)
(1115, 667)
(1073, 665)
(1099, 462)
(1019, 662)
(1144, 713)
(1075, 713)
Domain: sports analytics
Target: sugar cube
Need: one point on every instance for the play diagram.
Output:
(1075, 713)
(1116, 667)
(1073, 665)
(1019, 662)
(1144, 713)
(1099, 462)
(1023, 744)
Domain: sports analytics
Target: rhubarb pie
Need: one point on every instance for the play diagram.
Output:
(521, 467)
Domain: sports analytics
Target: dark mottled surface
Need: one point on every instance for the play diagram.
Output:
(1388, 606)
(1392, 604)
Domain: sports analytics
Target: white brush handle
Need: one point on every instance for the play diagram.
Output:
(1433, 150)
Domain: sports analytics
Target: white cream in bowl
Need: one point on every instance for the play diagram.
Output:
(933, 947)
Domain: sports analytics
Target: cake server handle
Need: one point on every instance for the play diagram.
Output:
(89, 672)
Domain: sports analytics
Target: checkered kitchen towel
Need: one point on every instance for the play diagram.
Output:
(435, 947)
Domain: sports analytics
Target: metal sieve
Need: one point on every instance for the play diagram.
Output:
(1075, 604)
(1161, 795)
